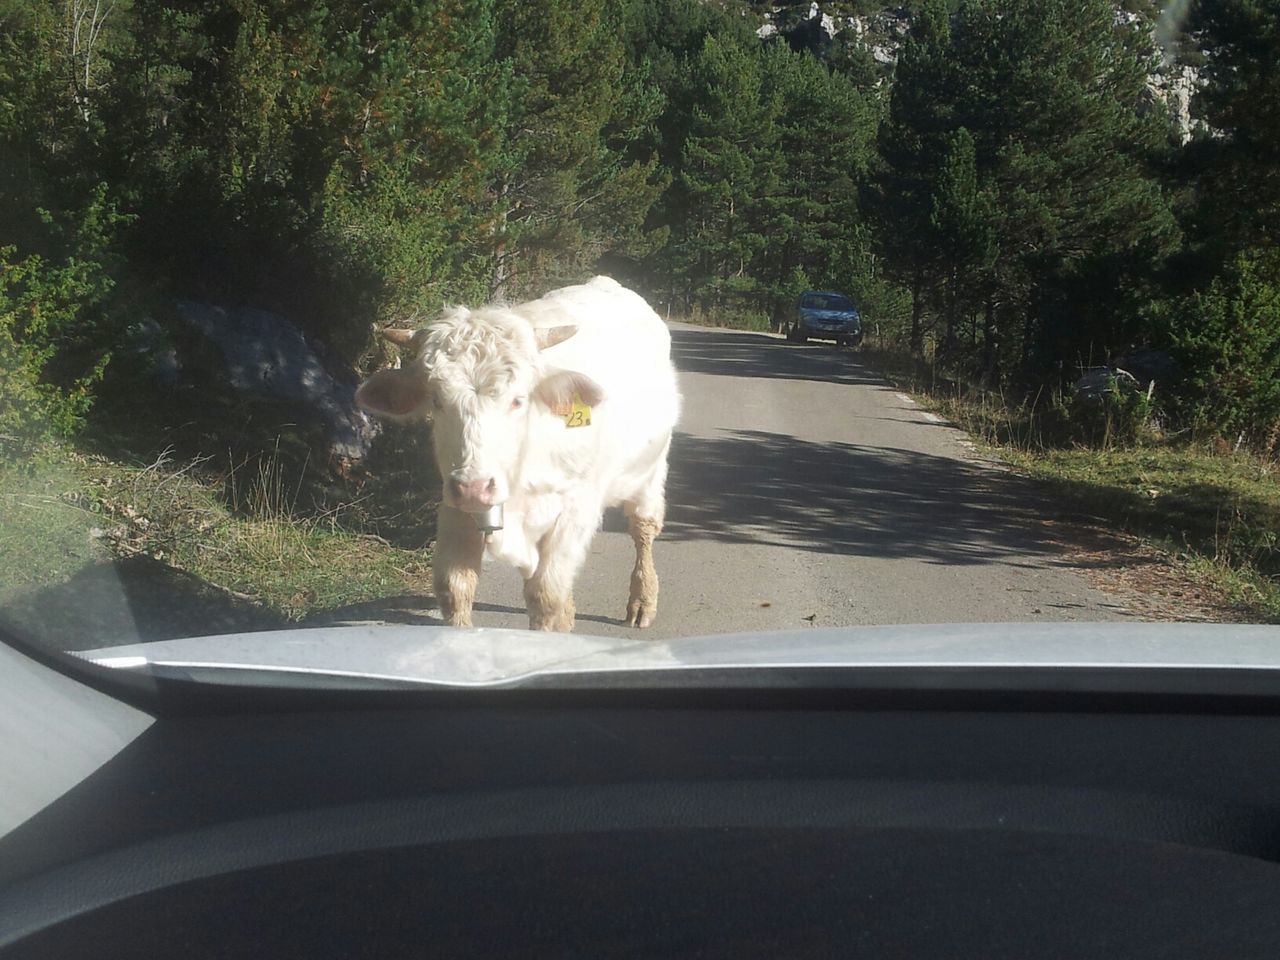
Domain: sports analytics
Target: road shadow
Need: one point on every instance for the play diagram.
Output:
(128, 601)
(749, 486)
(757, 356)
(138, 600)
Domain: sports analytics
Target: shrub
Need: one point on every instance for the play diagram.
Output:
(57, 325)
(1227, 338)
(1118, 416)
(41, 312)
(734, 316)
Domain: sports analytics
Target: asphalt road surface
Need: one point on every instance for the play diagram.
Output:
(804, 489)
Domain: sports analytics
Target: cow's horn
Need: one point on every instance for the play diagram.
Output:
(398, 335)
(550, 336)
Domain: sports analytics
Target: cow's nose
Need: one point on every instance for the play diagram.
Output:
(479, 492)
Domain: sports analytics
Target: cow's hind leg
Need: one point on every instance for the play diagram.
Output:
(455, 567)
(644, 519)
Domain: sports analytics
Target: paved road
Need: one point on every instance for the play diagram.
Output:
(803, 489)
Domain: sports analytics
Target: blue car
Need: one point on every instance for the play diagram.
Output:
(826, 315)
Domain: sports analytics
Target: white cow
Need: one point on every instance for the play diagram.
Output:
(557, 409)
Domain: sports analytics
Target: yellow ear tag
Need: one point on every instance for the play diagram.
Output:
(579, 414)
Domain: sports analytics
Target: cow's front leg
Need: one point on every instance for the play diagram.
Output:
(455, 568)
(548, 594)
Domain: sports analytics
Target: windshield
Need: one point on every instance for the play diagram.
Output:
(825, 301)
(482, 314)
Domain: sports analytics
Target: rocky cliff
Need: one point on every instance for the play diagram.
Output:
(882, 30)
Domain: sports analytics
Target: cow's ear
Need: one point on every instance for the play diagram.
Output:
(395, 393)
(558, 390)
(550, 336)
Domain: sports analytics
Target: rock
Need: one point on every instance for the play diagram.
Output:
(1097, 382)
(885, 55)
(1147, 365)
(267, 356)
(1175, 88)
(147, 339)
(885, 31)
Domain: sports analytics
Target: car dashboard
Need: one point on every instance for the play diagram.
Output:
(1002, 820)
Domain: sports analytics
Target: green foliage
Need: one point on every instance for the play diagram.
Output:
(581, 179)
(826, 130)
(730, 167)
(63, 515)
(38, 306)
(911, 141)
(769, 148)
(962, 221)
(1228, 340)
(1050, 189)
(56, 325)
(1237, 159)
(334, 162)
(732, 314)
(1000, 203)
(1120, 416)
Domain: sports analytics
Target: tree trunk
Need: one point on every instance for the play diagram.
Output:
(501, 255)
(953, 301)
(990, 344)
(917, 315)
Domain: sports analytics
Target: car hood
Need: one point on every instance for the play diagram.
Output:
(413, 656)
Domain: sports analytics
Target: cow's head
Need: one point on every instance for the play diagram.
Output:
(481, 378)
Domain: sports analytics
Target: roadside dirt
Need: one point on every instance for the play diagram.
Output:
(1146, 580)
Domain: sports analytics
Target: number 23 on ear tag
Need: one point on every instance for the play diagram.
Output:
(579, 414)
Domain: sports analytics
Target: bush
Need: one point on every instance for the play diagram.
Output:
(1119, 416)
(1227, 338)
(736, 317)
(42, 311)
(57, 317)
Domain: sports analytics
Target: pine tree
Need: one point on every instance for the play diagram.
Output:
(577, 186)
(962, 221)
(912, 140)
(826, 134)
(729, 176)
(338, 159)
(1049, 90)
(1062, 159)
(1239, 156)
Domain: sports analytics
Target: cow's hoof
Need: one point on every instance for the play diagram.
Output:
(640, 613)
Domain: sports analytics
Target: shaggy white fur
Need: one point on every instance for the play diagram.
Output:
(509, 427)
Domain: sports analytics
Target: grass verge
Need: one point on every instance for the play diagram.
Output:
(63, 512)
(756, 321)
